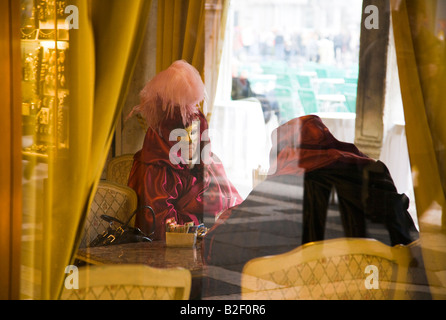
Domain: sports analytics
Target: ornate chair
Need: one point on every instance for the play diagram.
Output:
(336, 269)
(112, 199)
(130, 282)
(119, 167)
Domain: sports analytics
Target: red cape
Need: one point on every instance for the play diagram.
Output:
(174, 190)
(305, 144)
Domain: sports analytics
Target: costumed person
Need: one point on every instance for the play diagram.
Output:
(176, 172)
(305, 155)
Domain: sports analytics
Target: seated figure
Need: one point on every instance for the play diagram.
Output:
(306, 163)
(176, 172)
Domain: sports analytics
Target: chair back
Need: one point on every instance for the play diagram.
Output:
(287, 104)
(118, 169)
(130, 282)
(284, 80)
(350, 100)
(336, 269)
(304, 81)
(350, 88)
(308, 100)
(321, 72)
(112, 199)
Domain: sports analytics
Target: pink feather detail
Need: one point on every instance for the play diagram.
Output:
(179, 86)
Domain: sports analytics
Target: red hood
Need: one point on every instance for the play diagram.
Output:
(305, 144)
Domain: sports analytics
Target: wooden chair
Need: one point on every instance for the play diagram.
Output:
(336, 269)
(118, 169)
(130, 282)
(112, 199)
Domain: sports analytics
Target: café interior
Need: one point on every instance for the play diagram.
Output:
(72, 72)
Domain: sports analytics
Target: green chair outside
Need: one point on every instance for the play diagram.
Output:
(352, 72)
(284, 80)
(350, 101)
(353, 80)
(286, 101)
(346, 88)
(349, 88)
(308, 99)
(304, 81)
(321, 72)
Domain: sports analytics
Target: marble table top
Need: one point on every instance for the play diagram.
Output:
(155, 254)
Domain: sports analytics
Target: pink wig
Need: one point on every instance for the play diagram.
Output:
(179, 86)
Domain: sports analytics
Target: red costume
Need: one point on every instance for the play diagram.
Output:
(161, 175)
(175, 190)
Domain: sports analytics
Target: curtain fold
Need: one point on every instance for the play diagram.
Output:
(180, 33)
(215, 28)
(103, 53)
(420, 47)
(192, 30)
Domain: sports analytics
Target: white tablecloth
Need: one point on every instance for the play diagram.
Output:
(240, 139)
(395, 155)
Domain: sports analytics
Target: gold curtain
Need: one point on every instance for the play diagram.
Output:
(180, 33)
(216, 19)
(192, 30)
(419, 27)
(103, 53)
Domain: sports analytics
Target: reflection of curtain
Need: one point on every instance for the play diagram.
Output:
(103, 51)
(421, 58)
(192, 30)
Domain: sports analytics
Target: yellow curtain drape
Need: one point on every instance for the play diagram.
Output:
(103, 52)
(192, 30)
(180, 33)
(421, 58)
(216, 20)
